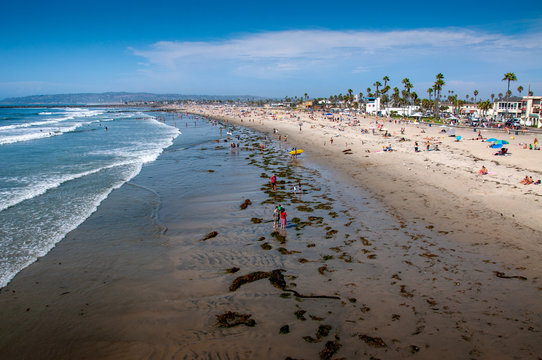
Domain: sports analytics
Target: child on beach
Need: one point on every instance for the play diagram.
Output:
(483, 171)
(283, 219)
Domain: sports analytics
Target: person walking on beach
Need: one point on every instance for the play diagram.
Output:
(276, 218)
(273, 182)
(283, 219)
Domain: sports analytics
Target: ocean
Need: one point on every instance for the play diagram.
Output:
(59, 164)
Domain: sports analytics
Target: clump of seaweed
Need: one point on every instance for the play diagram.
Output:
(209, 236)
(245, 204)
(284, 329)
(323, 331)
(256, 220)
(323, 269)
(323, 207)
(285, 251)
(266, 246)
(373, 341)
(232, 270)
(329, 350)
(299, 314)
(231, 319)
(277, 280)
(331, 233)
(304, 208)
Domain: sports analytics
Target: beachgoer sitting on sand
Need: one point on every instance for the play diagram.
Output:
(416, 149)
(483, 171)
(502, 152)
(525, 181)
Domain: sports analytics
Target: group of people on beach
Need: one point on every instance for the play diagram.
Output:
(528, 180)
(279, 218)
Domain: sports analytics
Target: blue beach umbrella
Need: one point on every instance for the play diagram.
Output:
(502, 142)
(496, 146)
(492, 140)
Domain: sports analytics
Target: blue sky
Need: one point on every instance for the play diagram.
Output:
(273, 49)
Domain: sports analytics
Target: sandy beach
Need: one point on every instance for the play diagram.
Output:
(388, 255)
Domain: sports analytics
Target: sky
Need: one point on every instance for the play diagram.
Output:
(270, 49)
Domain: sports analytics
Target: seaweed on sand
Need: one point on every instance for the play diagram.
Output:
(232, 270)
(304, 208)
(373, 341)
(284, 329)
(245, 204)
(329, 350)
(231, 319)
(323, 207)
(276, 279)
(209, 236)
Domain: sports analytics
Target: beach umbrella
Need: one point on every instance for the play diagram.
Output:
(502, 142)
(496, 146)
(492, 140)
(458, 138)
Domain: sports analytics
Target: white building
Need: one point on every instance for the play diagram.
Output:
(507, 109)
(530, 111)
(372, 106)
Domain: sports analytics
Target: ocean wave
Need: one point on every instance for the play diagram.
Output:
(130, 156)
(32, 253)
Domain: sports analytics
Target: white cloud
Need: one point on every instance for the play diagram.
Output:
(310, 54)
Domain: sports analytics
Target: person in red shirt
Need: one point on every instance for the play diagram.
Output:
(273, 182)
(283, 219)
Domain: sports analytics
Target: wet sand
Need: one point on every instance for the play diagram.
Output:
(360, 278)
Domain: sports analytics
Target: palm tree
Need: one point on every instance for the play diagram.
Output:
(492, 97)
(408, 86)
(509, 77)
(500, 96)
(385, 79)
(520, 89)
(377, 85)
(439, 83)
(475, 95)
(430, 92)
(484, 106)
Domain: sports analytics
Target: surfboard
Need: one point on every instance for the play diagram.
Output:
(296, 152)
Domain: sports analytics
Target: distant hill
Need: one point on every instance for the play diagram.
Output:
(111, 98)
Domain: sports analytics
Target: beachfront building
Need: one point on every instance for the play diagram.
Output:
(410, 110)
(372, 106)
(530, 111)
(507, 109)
(470, 110)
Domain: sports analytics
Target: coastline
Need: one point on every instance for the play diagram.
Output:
(407, 285)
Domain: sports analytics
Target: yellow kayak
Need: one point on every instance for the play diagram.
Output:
(296, 152)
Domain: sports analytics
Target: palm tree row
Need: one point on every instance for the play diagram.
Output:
(407, 97)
